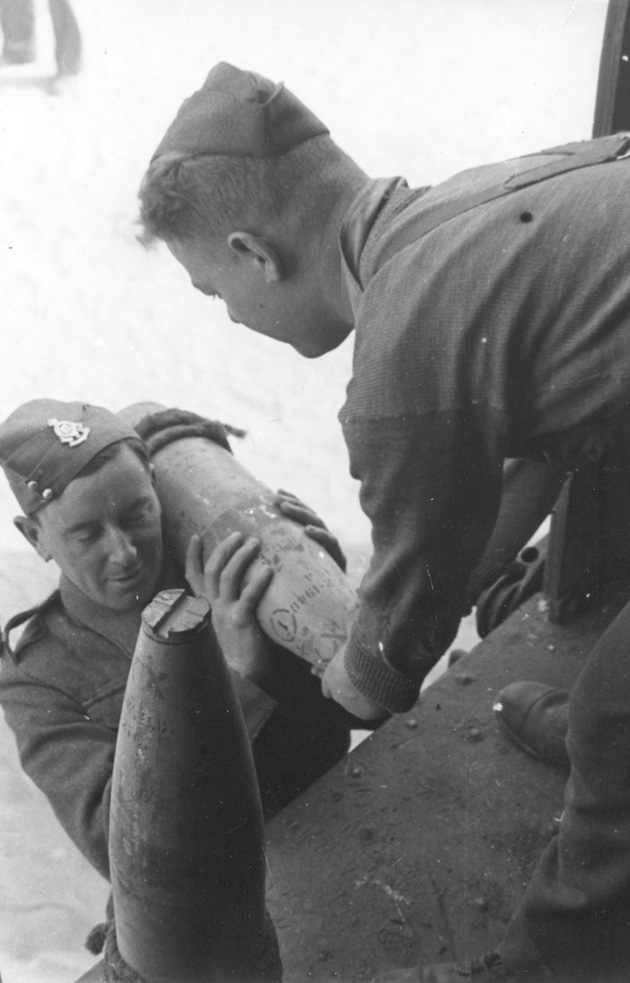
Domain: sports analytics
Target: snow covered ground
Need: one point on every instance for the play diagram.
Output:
(421, 88)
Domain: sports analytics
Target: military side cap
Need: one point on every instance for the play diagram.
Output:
(240, 114)
(45, 443)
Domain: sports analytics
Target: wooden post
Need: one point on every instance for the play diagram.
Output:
(612, 103)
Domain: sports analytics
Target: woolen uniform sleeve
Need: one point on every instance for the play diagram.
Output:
(66, 754)
(431, 486)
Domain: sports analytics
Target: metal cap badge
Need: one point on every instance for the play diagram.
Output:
(69, 432)
(45, 443)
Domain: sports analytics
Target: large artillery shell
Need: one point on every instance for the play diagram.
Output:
(310, 604)
(186, 831)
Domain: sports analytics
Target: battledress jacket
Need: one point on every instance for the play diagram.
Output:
(504, 332)
(62, 692)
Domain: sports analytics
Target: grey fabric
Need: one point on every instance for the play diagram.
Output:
(502, 334)
(574, 920)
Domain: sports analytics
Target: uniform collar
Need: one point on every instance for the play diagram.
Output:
(358, 222)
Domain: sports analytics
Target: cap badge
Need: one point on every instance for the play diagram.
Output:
(68, 432)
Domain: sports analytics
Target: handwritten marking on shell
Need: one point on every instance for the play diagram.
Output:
(284, 624)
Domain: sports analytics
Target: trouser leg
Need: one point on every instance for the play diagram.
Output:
(574, 920)
(17, 19)
(67, 37)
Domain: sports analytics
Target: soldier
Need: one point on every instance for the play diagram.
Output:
(84, 483)
(491, 322)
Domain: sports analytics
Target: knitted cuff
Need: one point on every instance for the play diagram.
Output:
(392, 690)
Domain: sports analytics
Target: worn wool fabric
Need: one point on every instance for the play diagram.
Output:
(503, 333)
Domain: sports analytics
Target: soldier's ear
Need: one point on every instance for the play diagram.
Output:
(259, 253)
(32, 531)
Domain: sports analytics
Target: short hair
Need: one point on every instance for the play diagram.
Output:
(184, 197)
(110, 452)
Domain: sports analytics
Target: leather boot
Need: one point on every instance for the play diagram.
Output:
(535, 717)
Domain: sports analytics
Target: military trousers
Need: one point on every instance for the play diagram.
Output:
(17, 20)
(573, 923)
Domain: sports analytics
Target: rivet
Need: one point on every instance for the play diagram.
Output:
(47, 494)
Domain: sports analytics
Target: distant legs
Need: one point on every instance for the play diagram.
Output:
(67, 38)
(17, 19)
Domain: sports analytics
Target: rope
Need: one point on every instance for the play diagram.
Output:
(102, 938)
(163, 428)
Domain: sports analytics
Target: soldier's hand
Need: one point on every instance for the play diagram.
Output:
(314, 527)
(234, 589)
(337, 686)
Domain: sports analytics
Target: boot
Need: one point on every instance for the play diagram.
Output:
(535, 717)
